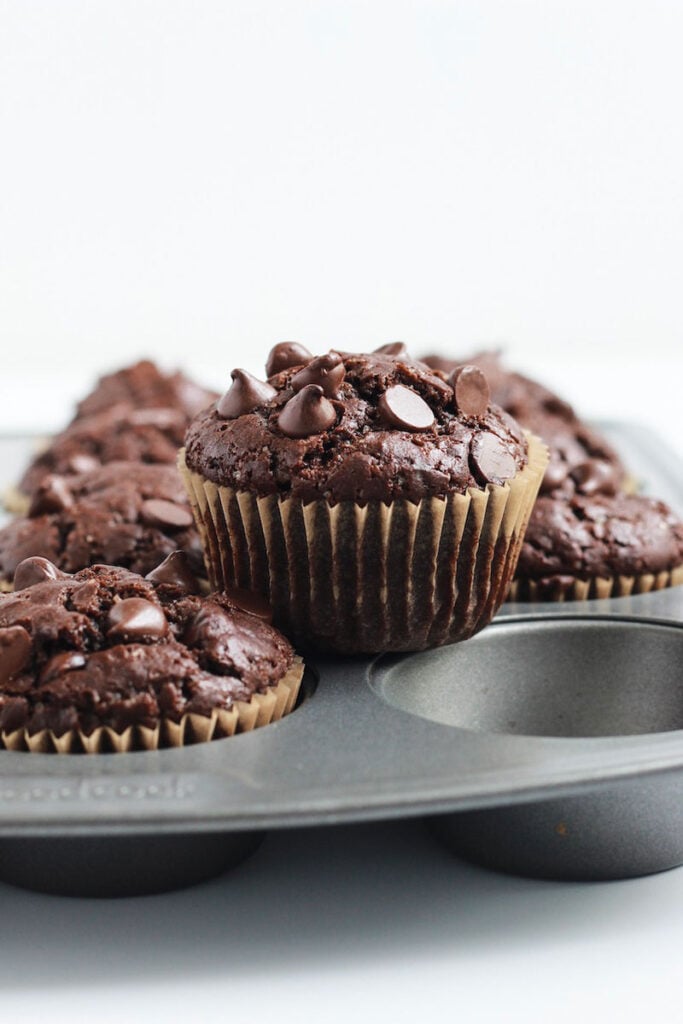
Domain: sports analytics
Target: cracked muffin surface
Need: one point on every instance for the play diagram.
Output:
(355, 427)
(125, 513)
(107, 647)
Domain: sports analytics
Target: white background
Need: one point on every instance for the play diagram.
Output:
(199, 180)
(195, 181)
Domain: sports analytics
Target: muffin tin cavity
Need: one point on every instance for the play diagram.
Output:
(565, 677)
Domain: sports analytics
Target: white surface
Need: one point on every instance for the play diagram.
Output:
(196, 181)
(375, 923)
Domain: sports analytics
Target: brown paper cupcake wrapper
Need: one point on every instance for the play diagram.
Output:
(364, 579)
(564, 588)
(243, 716)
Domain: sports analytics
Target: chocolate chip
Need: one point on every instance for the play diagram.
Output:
(210, 621)
(53, 495)
(15, 651)
(284, 355)
(249, 602)
(492, 461)
(175, 570)
(471, 388)
(327, 371)
(68, 661)
(404, 409)
(245, 394)
(136, 619)
(78, 464)
(594, 476)
(36, 570)
(397, 349)
(308, 412)
(167, 515)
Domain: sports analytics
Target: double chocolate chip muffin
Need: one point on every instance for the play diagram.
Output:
(145, 386)
(125, 513)
(137, 414)
(375, 504)
(601, 546)
(106, 660)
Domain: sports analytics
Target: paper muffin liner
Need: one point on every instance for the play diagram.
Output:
(243, 716)
(362, 579)
(567, 588)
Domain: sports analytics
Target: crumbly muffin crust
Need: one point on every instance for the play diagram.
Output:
(145, 386)
(354, 427)
(600, 536)
(120, 433)
(125, 513)
(581, 460)
(106, 647)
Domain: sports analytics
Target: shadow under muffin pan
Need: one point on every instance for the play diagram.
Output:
(550, 744)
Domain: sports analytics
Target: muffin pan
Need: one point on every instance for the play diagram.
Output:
(550, 744)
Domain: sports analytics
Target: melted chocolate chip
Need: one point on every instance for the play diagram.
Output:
(327, 371)
(175, 570)
(245, 394)
(594, 476)
(308, 412)
(492, 461)
(69, 661)
(393, 348)
(249, 602)
(15, 651)
(35, 570)
(209, 620)
(404, 409)
(53, 495)
(284, 355)
(166, 515)
(136, 619)
(471, 388)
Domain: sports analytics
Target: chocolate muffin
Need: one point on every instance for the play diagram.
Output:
(144, 386)
(121, 433)
(581, 460)
(124, 513)
(600, 546)
(376, 505)
(106, 660)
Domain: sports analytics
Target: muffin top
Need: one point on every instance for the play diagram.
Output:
(124, 513)
(604, 535)
(145, 386)
(581, 460)
(355, 427)
(120, 433)
(109, 647)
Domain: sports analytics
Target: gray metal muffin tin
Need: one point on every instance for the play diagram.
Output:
(551, 745)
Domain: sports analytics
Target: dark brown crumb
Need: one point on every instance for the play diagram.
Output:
(208, 654)
(359, 458)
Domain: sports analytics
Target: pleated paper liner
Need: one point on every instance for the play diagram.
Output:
(358, 579)
(243, 716)
(567, 588)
